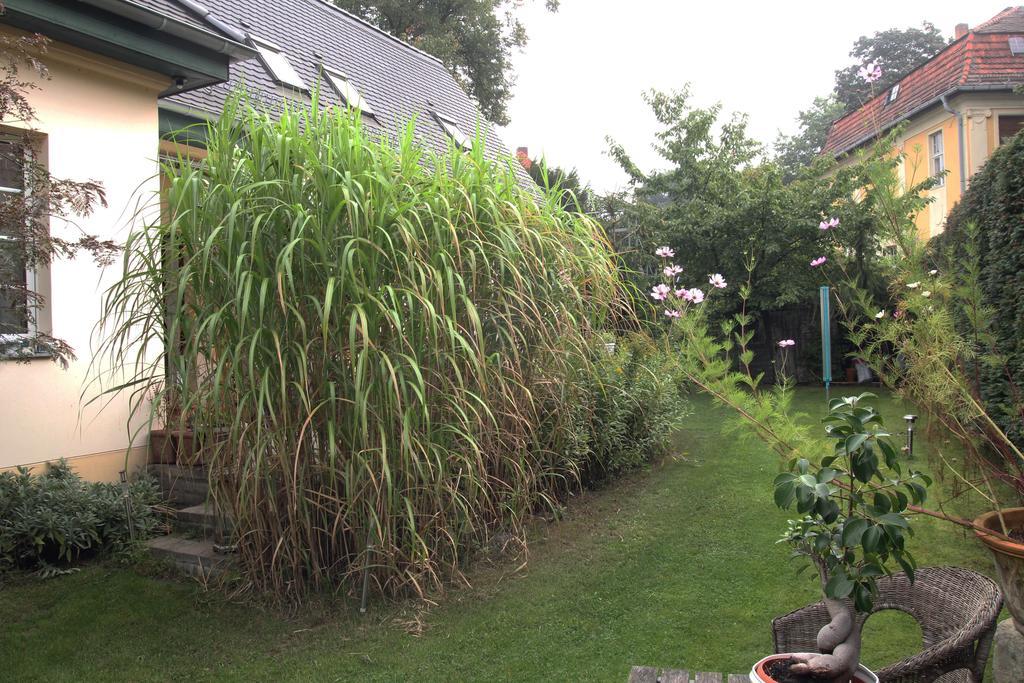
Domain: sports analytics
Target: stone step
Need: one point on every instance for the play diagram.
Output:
(182, 485)
(205, 520)
(197, 558)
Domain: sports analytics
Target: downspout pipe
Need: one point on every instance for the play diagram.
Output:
(960, 139)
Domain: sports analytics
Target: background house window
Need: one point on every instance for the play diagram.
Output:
(347, 91)
(454, 132)
(937, 161)
(278, 65)
(1009, 126)
(14, 276)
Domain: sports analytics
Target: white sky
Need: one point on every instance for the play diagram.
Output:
(585, 67)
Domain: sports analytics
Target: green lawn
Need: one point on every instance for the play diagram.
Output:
(676, 566)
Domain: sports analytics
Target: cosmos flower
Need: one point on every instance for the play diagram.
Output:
(829, 224)
(664, 252)
(870, 72)
(694, 295)
(786, 343)
(672, 270)
(818, 261)
(672, 313)
(717, 280)
(880, 315)
(660, 292)
(913, 285)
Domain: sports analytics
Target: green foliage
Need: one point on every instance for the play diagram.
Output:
(375, 339)
(896, 51)
(51, 520)
(718, 207)
(625, 410)
(794, 153)
(572, 193)
(854, 503)
(474, 39)
(985, 231)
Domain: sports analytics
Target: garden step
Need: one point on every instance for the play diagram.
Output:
(197, 558)
(205, 519)
(182, 485)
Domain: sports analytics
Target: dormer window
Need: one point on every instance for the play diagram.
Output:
(893, 93)
(277, 64)
(453, 130)
(347, 92)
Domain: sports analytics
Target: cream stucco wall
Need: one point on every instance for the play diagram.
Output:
(100, 122)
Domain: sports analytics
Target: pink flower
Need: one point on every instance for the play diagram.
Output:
(717, 280)
(672, 313)
(681, 293)
(786, 343)
(818, 261)
(829, 224)
(664, 252)
(898, 314)
(694, 295)
(672, 271)
(871, 72)
(660, 292)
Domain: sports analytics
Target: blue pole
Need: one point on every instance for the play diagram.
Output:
(826, 339)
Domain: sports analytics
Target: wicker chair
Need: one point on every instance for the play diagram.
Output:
(956, 609)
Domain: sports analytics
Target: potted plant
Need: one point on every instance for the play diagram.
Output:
(852, 528)
(175, 442)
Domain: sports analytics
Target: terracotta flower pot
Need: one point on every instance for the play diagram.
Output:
(759, 673)
(1009, 559)
(161, 447)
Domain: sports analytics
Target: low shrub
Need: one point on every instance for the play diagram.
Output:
(54, 519)
(625, 409)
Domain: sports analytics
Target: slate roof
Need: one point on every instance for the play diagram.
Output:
(398, 80)
(980, 60)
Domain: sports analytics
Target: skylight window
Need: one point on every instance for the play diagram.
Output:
(894, 93)
(347, 91)
(278, 65)
(453, 130)
(1016, 45)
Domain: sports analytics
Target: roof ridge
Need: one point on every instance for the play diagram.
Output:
(378, 29)
(1002, 13)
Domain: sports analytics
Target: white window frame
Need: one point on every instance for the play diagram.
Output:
(349, 94)
(937, 157)
(31, 275)
(275, 61)
(894, 92)
(454, 132)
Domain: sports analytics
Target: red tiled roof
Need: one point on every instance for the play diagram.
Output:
(981, 59)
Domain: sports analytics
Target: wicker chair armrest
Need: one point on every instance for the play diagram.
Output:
(964, 637)
(798, 630)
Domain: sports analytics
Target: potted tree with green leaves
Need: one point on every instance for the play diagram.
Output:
(852, 527)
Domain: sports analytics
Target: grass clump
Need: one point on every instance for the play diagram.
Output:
(372, 343)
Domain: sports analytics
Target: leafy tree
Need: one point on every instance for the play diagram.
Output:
(718, 205)
(896, 51)
(574, 195)
(795, 152)
(474, 39)
(31, 204)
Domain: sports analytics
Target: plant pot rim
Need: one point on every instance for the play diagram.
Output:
(990, 520)
(757, 672)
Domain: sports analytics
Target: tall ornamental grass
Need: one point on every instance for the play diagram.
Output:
(370, 342)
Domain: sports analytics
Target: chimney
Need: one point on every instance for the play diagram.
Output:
(960, 31)
(523, 154)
